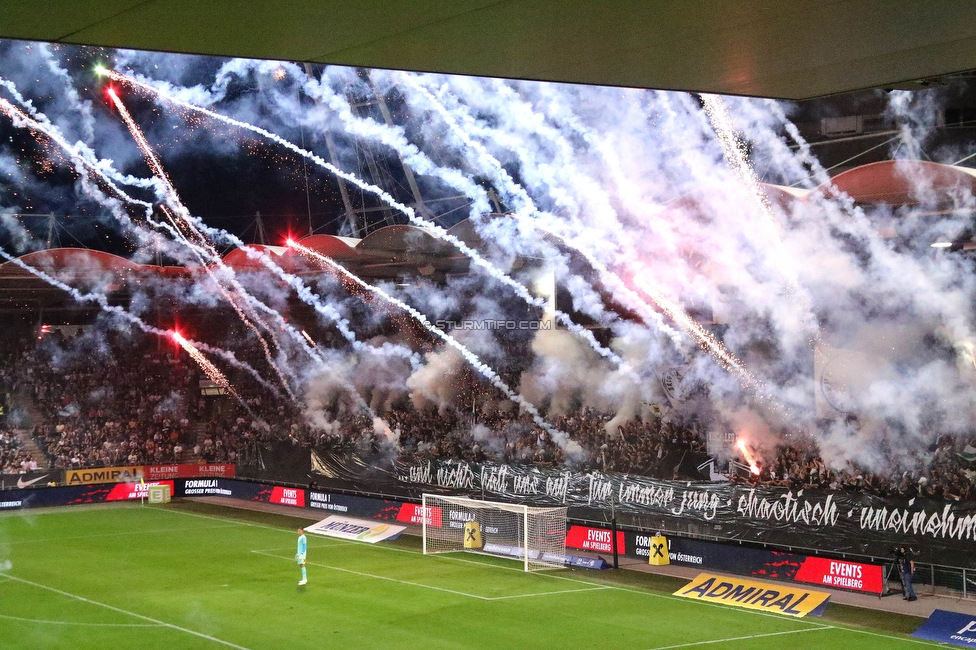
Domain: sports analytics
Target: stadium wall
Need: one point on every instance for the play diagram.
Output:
(838, 522)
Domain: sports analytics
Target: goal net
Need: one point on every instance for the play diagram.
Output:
(534, 536)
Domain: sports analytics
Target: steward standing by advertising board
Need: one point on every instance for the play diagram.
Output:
(906, 568)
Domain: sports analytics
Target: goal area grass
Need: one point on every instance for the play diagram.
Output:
(195, 575)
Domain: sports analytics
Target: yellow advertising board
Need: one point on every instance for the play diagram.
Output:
(472, 535)
(764, 596)
(103, 475)
(658, 555)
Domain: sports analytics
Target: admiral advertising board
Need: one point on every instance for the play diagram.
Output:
(93, 475)
(752, 594)
(132, 473)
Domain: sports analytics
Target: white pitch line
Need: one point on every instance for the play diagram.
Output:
(419, 584)
(118, 534)
(548, 593)
(124, 611)
(742, 638)
(888, 636)
(378, 577)
(82, 623)
(230, 519)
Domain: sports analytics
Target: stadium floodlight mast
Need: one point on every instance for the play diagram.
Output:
(535, 536)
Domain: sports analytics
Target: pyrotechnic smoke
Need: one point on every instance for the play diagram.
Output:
(430, 226)
(672, 225)
(571, 448)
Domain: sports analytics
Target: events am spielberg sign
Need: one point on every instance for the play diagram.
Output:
(830, 521)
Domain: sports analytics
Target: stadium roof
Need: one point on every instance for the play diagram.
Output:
(397, 251)
(788, 49)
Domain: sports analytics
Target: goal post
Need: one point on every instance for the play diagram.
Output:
(534, 536)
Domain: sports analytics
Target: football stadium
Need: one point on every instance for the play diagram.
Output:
(510, 324)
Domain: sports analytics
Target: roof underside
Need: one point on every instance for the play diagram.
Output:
(395, 252)
(786, 49)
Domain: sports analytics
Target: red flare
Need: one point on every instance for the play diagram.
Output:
(753, 467)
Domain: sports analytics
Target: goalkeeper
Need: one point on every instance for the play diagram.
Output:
(300, 555)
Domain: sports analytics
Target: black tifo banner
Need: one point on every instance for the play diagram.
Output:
(828, 521)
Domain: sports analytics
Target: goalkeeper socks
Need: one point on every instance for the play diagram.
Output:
(303, 574)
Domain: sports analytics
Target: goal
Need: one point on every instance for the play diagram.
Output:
(534, 536)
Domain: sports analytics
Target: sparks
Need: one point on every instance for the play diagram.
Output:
(205, 364)
(706, 340)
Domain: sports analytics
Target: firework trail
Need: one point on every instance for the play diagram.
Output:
(131, 318)
(735, 155)
(705, 339)
(201, 243)
(40, 124)
(430, 226)
(154, 165)
(560, 437)
(208, 368)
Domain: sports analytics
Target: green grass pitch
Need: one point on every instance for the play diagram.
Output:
(191, 575)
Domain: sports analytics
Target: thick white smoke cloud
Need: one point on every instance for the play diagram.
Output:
(601, 181)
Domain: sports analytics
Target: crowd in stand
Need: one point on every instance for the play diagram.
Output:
(109, 400)
(946, 472)
(14, 458)
(92, 407)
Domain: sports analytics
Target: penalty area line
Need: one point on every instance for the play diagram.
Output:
(378, 577)
(423, 586)
(127, 612)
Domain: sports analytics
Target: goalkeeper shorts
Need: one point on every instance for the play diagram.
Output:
(300, 558)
